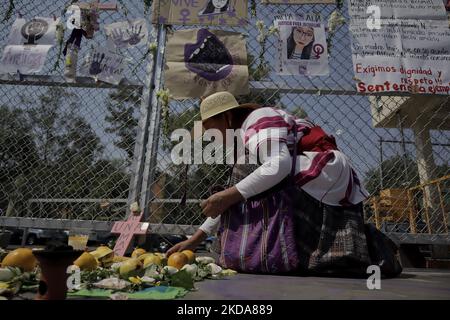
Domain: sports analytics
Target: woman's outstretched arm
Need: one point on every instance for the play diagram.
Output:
(276, 166)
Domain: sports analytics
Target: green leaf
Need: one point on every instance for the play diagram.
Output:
(183, 279)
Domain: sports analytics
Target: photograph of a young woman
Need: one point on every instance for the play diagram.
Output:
(215, 7)
(300, 43)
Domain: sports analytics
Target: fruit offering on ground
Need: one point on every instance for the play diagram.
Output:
(117, 259)
(152, 259)
(204, 260)
(191, 269)
(138, 252)
(130, 268)
(144, 256)
(22, 258)
(177, 260)
(190, 255)
(86, 262)
(104, 256)
(6, 274)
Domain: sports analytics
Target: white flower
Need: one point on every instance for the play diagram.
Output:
(204, 260)
(214, 269)
(153, 47)
(273, 30)
(164, 96)
(191, 269)
(336, 19)
(170, 270)
(260, 25)
(134, 207)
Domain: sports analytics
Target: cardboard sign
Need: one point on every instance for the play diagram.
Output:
(302, 45)
(104, 65)
(201, 62)
(37, 31)
(200, 12)
(25, 59)
(127, 230)
(406, 51)
(127, 34)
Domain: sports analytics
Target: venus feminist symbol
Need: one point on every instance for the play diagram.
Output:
(33, 30)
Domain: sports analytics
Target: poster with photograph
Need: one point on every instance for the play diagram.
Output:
(37, 31)
(302, 45)
(25, 59)
(201, 62)
(299, 1)
(200, 12)
(126, 34)
(406, 51)
(104, 65)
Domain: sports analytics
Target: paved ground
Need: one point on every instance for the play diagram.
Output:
(412, 284)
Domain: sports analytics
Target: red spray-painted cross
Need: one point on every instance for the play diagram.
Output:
(127, 230)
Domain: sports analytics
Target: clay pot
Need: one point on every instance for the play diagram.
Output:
(54, 264)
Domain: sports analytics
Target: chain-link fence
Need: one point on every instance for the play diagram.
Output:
(67, 148)
(83, 153)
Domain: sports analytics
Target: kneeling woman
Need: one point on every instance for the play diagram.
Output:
(327, 216)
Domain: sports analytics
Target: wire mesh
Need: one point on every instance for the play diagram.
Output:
(67, 152)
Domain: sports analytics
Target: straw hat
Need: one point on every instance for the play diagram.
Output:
(220, 102)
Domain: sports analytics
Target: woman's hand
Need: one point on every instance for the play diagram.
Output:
(220, 202)
(181, 246)
(190, 244)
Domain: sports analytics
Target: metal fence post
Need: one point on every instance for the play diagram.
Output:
(153, 130)
(142, 135)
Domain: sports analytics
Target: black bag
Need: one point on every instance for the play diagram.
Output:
(383, 252)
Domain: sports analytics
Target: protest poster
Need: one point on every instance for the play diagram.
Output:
(302, 45)
(201, 62)
(37, 31)
(400, 46)
(104, 65)
(126, 34)
(25, 59)
(299, 1)
(200, 12)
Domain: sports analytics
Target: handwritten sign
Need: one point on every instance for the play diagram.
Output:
(127, 230)
(302, 48)
(104, 65)
(201, 62)
(25, 59)
(408, 50)
(200, 12)
(127, 34)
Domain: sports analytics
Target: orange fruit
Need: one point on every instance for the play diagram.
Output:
(22, 258)
(177, 260)
(190, 254)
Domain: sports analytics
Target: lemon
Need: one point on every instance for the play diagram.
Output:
(152, 260)
(86, 262)
(138, 252)
(22, 258)
(130, 268)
